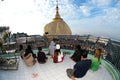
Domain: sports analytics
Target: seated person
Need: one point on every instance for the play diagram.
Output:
(21, 51)
(96, 60)
(29, 60)
(41, 57)
(58, 55)
(28, 51)
(80, 68)
(77, 54)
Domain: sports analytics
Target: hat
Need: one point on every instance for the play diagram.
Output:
(57, 46)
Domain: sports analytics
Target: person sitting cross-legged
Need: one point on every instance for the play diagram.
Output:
(29, 56)
(41, 57)
(80, 68)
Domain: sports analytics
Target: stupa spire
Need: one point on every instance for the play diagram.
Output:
(57, 15)
(58, 26)
(57, 2)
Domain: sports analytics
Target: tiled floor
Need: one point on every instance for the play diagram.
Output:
(51, 71)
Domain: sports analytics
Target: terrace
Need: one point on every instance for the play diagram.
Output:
(53, 71)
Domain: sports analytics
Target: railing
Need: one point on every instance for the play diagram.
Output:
(112, 69)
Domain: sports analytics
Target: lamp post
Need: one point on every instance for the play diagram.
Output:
(9, 35)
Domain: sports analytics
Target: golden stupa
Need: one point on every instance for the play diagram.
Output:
(57, 26)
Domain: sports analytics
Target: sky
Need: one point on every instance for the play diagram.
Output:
(94, 17)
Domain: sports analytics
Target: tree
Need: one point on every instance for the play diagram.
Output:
(3, 40)
(5, 37)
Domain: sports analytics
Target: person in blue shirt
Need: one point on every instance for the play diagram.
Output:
(80, 68)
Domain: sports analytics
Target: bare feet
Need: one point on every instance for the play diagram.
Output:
(34, 75)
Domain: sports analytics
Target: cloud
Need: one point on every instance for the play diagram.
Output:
(112, 14)
(65, 7)
(95, 26)
(102, 3)
(68, 10)
(118, 4)
(47, 7)
(22, 16)
(16, 6)
(85, 10)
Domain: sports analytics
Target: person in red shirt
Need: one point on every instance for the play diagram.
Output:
(58, 55)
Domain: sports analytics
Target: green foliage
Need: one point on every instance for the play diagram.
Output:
(6, 35)
(4, 38)
(2, 47)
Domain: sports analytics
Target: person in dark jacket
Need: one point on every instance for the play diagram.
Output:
(80, 68)
(77, 54)
(41, 57)
(21, 51)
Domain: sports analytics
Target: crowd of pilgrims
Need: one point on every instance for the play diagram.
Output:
(83, 64)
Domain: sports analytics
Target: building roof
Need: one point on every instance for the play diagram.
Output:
(3, 28)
